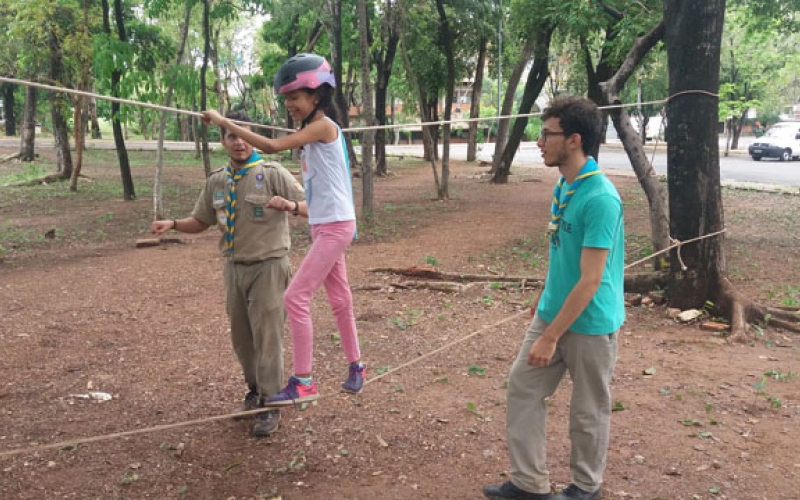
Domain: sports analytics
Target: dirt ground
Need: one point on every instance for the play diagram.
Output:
(83, 310)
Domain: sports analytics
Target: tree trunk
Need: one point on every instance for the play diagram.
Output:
(8, 109)
(695, 201)
(385, 62)
(183, 127)
(447, 39)
(204, 85)
(503, 126)
(536, 78)
(655, 190)
(738, 124)
(116, 76)
(427, 140)
(475, 105)
(158, 200)
(334, 28)
(28, 135)
(96, 134)
(79, 125)
(195, 130)
(368, 114)
(58, 108)
(80, 140)
(601, 73)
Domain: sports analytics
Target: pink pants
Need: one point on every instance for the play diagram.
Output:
(322, 265)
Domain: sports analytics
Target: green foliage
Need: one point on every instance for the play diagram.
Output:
(761, 390)
(405, 319)
(32, 171)
(476, 370)
(769, 14)
(779, 375)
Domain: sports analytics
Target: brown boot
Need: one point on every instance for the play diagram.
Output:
(266, 423)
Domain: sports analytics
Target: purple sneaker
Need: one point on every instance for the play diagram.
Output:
(294, 392)
(355, 378)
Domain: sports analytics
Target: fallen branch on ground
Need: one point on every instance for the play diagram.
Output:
(634, 283)
(434, 274)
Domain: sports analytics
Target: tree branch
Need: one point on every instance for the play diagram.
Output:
(640, 48)
(617, 15)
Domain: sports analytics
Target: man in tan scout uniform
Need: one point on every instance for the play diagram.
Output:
(255, 240)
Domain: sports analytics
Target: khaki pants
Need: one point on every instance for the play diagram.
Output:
(590, 361)
(254, 302)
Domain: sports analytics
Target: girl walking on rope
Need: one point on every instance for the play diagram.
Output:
(307, 84)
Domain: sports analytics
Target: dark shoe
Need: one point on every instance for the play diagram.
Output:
(507, 491)
(251, 402)
(355, 378)
(294, 392)
(572, 492)
(266, 423)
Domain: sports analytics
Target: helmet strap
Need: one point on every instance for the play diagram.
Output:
(310, 116)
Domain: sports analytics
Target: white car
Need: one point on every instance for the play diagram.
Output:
(782, 141)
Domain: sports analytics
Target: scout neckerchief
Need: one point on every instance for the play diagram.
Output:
(230, 200)
(558, 206)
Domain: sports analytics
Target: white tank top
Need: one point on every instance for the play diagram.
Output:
(327, 181)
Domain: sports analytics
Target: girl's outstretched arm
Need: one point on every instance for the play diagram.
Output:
(319, 130)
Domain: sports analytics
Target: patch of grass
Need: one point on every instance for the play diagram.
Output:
(779, 375)
(129, 478)
(473, 408)
(405, 319)
(32, 171)
(788, 295)
(13, 237)
(476, 370)
(523, 254)
(637, 246)
(761, 390)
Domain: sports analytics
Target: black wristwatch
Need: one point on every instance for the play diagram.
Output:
(296, 209)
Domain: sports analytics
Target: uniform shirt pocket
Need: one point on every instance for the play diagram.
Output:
(255, 207)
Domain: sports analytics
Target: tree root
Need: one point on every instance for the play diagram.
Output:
(744, 312)
(10, 157)
(47, 179)
(729, 302)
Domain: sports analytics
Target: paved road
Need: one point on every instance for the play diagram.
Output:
(737, 167)
(13, 142)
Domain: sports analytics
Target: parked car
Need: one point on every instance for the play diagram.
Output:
(782, 141)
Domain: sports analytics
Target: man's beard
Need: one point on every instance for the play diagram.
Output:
(560, 159)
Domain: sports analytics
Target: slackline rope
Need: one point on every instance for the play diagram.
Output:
(157, 428)
(52, 88)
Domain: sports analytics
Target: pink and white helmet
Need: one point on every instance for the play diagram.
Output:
(303, 71)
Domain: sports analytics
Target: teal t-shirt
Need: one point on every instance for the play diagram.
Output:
(592, 218)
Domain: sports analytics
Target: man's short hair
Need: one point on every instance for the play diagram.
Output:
(577, 115)
(237, 116)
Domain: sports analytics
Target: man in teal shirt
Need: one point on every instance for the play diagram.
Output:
(576, 319)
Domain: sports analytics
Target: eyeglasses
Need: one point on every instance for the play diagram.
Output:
(544, 134)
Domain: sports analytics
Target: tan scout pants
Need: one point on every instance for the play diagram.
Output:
(590, 361)
(254, 302)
